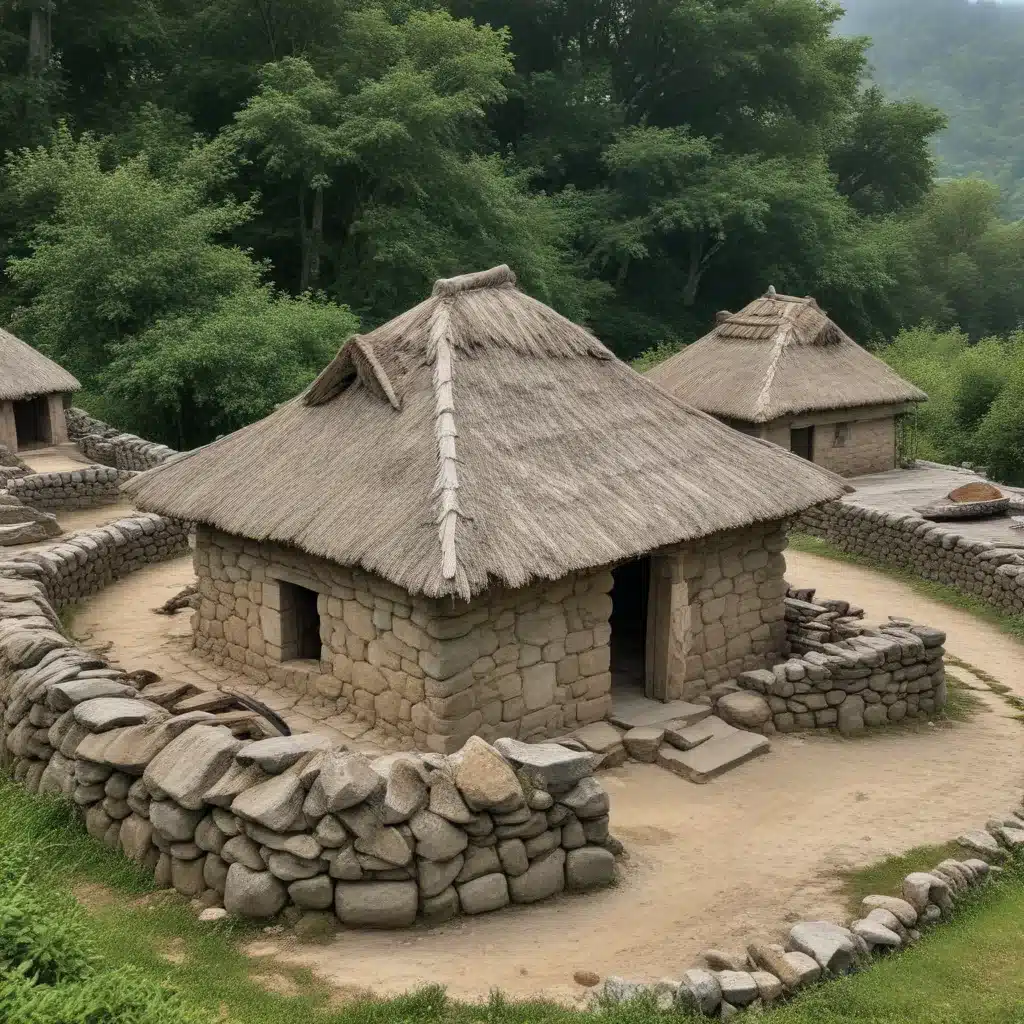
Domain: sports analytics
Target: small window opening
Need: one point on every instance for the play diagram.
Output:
(300, 623)
(841, 435)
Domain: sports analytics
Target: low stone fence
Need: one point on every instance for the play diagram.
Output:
(87, 487)
(842, 674)
(935, 551)
(86, 562)
(100, 442)
(177, 782)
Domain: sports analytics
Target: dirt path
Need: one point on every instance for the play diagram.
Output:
(713, 865)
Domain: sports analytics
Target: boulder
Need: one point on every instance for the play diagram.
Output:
(253, 893)
(483, 894)
(980, 841)
(446, 800)
(512, 853)
(587, 799)
(485, 779)
(273, 804)
(406, 791)
(921, 888)
(479, 860)
(544, 877)
(436, 876)
(588, 868)
(699, 991)
(376, 904)
(744, 709)
(290, 868)
(387, 844)
(769, 988)
(312, 893)
(136, 838)
(104, 713)
(174, 822)
(279, 753)
(831, 945)
(345, 780)
(190, 764)
(793, 969)
(187, 876)
(557, 766)
(901, 909)
(875, 934)
(738, 987)
(436, 838)
(242, 850)
(76, 691)
(642, 743)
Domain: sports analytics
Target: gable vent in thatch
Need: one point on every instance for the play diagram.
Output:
(355, 361)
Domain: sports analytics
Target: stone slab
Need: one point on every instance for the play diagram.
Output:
(634, 712)
(714, 757)
(686, 737)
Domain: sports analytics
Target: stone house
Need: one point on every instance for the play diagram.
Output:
(34, 392)
(781, 370)
(478, 521)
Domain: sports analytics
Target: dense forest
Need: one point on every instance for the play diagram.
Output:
(201, 198)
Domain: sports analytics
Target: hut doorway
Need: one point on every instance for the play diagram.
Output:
(32, 422)
(631, 584)
(801, 442)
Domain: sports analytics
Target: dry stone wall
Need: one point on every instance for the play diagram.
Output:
(255, 825)
(87, 487)
(842, 674)
(99, 442)
(934, 551)
(520, 664)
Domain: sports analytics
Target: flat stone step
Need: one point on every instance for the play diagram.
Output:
(714, 757)
(634, 712)
(687, 737)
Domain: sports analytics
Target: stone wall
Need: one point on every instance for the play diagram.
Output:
(87, 487)
(727, 608)
(869, 446)
(257, 825)
(99, 442)
(87, 561)
(521, 664)
(843, 674)
(934, 551)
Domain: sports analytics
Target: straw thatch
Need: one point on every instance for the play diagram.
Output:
(781, 356)
(24, 372)
(481, 438)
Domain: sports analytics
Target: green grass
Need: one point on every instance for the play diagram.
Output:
(1012, 625)
(886, 876)
(962, 704)
(967, 972)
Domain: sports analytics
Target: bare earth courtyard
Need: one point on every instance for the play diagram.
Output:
(708, 865)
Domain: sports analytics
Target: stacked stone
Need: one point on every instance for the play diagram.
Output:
(79, 488)
(8, 473)
(20, 524)
(872, 677)
(525, 664)
(933, 551)
(723, 985)
(102, 443)
(85, 562)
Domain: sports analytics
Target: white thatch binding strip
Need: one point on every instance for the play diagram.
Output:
(24, 372)
(523, 450)
(779, 356)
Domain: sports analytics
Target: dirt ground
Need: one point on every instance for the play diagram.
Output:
(713, 865)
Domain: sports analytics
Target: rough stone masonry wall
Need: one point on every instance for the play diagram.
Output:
(80, 488)
(869, 448)
(101, 443)
(256, 825)
(932, 550)
(520, 664)
(727, 611)
(845, 675)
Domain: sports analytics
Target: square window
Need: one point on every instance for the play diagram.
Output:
(300, 623)
(841, 435)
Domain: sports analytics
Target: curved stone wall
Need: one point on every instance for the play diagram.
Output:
(99, 442)
(87, 487)
(176, 780)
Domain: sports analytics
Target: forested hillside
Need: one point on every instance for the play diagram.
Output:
(968, 60)
(202, 198)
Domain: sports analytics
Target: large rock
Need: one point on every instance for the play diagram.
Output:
(242, 850)
(136, 837)
(831, 945)
(738, 987)
(793, 969)
(587, 799)
(699, 991)
(642, 743)
(901, 909)
(589, 867)
(30, 532)
(104, 713)
(173, 822)
(558, 766)
(312, 893)
(76, 691)
(435, 876)
(544, 877)
(485, 779)
(273, 804)
(446, 800)
(479, 860)
(744, 709)
(345, 780)
(253, 893)
(376, 904)
(387, 844)
(279, 753)
(921, 888)
(406, 791)
(876, 934)
(980, 841)
(190, 764)
(483, 894)
(436, 838)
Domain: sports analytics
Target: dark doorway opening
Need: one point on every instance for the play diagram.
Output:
(630, 587)
(300, 623)
(801, 442)
(32, 422)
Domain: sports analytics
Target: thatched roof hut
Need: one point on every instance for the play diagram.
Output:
(779, 356)
(481, 437)
(24, 372)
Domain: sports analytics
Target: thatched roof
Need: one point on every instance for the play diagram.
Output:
(779, 356)
(24, 372)
(481, 438)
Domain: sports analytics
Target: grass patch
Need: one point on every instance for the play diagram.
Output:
(885, 877)
(66, 617)
(962, 703)
(1012, 625)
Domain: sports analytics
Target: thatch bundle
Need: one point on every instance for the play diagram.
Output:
(779, 356)
(481, 438)
(24, 372)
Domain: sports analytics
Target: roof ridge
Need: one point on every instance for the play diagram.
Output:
(786, 331)
(446, 485)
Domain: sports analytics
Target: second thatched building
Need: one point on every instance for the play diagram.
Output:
(478, 521)
(781, 370)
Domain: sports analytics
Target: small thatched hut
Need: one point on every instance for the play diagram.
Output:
(33, 393)
(477, 516)
(780, 369)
